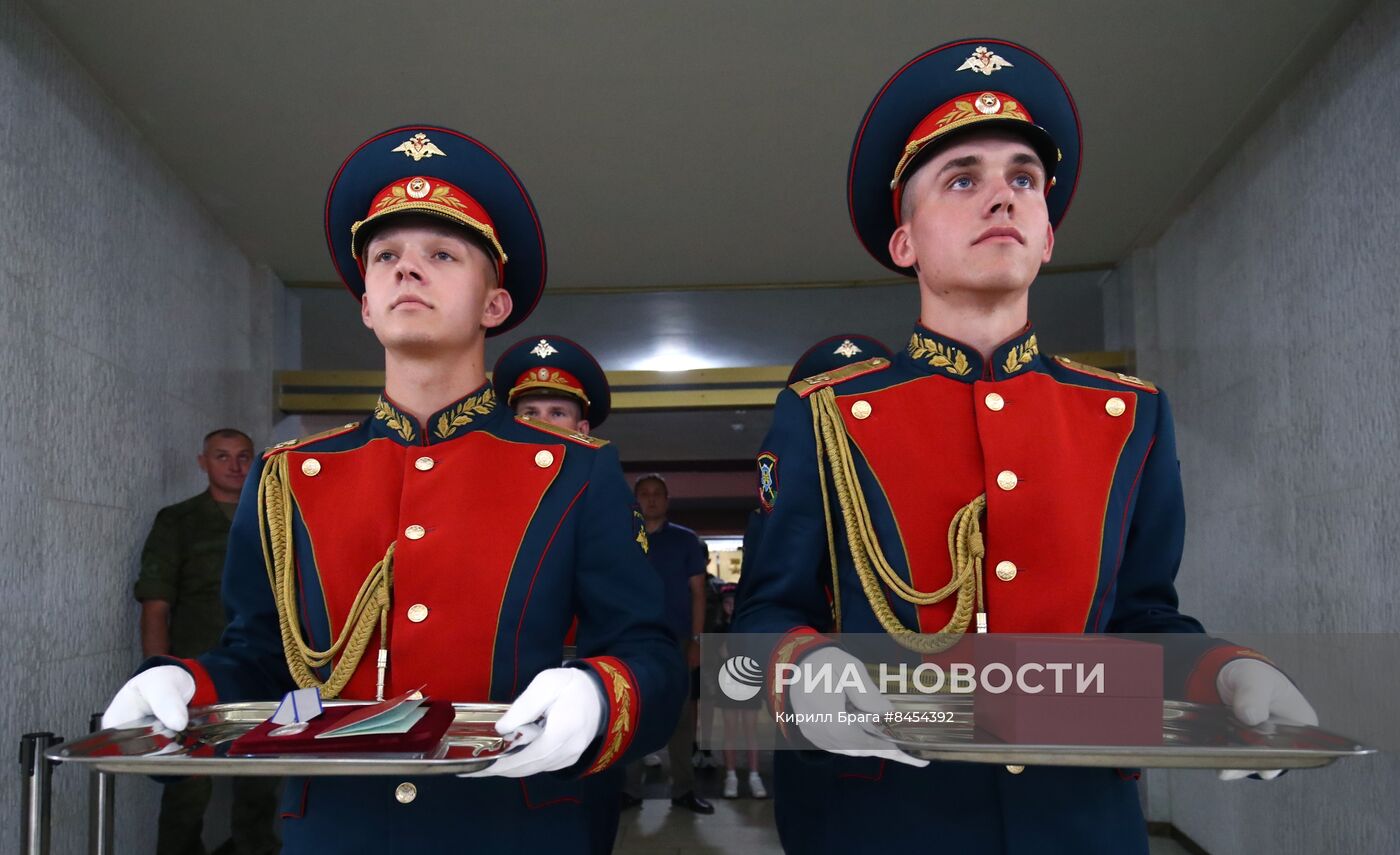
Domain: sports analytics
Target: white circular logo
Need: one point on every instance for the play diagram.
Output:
(740, 678)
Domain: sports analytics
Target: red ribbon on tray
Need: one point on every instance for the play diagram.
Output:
(421, 739)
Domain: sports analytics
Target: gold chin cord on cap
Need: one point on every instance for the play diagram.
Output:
(369, 610)
(965, 546)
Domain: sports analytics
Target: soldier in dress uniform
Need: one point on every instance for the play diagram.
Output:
(836, 351)
(804, 784)
(555, 380)
(440, 542)
(829, 354)
(1058, 481)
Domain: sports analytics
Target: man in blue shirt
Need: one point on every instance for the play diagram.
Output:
(680, 559)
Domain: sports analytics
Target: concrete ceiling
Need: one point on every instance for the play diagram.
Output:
(664, 142)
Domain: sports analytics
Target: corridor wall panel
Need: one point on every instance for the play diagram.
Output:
(130, 326)
(1269, 312)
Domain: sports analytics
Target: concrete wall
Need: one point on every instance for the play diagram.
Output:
(1269, 312)
(129, 327)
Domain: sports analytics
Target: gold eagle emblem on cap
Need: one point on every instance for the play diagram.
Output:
(847, 349)
(418, 147)
(984, 61)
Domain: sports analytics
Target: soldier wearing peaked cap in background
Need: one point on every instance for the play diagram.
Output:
(355, 539)
(552, 379)
(835, 352)
(555, 380)
(829, 354)
(804, 784)
(1058, 482)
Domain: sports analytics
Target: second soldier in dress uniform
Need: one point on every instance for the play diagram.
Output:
(440, 542)
(553, 379)
(829, 354)
(804, 784)
(1059, 481)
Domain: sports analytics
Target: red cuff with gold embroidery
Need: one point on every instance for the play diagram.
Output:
(624, 706)
(1200, 684)
(204, 691)
(790, 648)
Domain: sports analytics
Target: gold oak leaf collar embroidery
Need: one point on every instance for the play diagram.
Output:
(465, 413)
(397, 421)
(939, 355)
(1021, 355)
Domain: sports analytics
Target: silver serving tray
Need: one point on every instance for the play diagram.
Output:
(1194, 736)
(146, 748)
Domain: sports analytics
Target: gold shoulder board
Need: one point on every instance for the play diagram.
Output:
(295, 443)
(1128, 379)
(575, 436)
(805, 387)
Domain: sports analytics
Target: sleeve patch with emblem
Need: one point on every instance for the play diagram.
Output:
(767, 479)
(641, 530)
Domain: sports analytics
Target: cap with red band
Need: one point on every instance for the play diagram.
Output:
(972, 108)
(555, 366)
(544, 380)
(935, 98)
(435, 198)
(440, 173)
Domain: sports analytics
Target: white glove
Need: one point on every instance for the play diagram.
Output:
(1257, 692)
(570, 703)
(819, 712)
(163, 691)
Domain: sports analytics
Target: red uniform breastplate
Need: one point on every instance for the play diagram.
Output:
(935, 444)
(454, 557)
